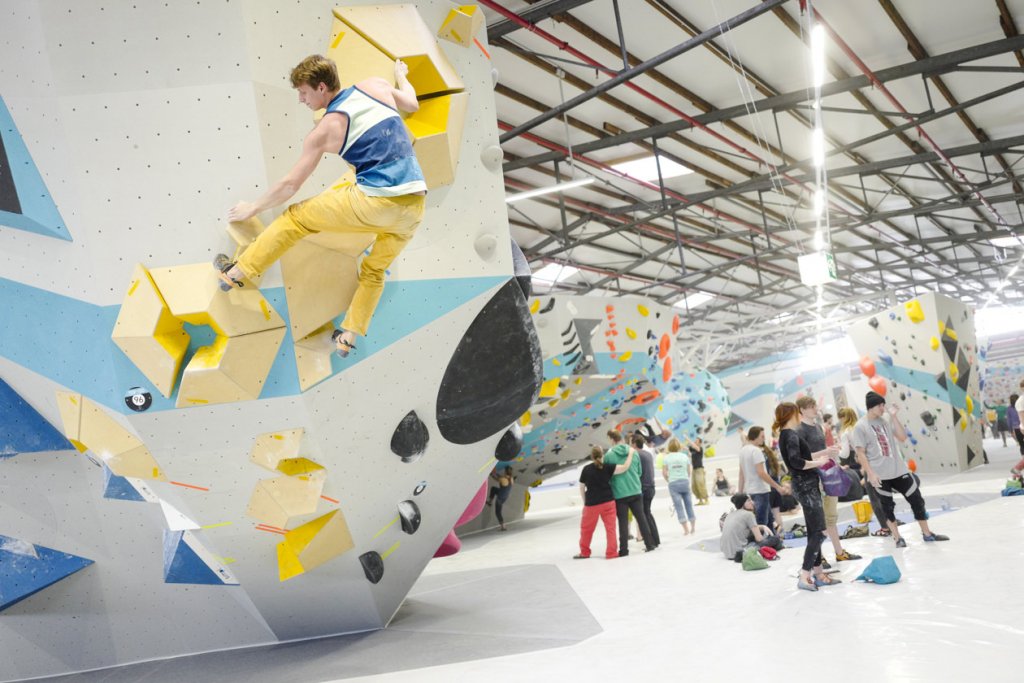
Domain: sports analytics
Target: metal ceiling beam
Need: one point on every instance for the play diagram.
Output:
(538, 12)
(764, 183)
(782, 102)
(629, 74)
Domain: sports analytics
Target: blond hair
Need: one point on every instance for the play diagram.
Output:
(313, 70)
(674, 446)
(847, 419)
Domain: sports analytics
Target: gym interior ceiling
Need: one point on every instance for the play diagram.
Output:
(922, 156)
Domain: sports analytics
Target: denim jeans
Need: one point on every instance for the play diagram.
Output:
(762, 508)
(679, 490)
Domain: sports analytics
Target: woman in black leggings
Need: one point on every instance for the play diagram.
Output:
(797, 455)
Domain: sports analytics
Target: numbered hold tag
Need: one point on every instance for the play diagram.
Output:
(138, 399)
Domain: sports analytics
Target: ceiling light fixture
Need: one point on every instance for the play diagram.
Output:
(646, 168)
(538, 191)
(693, 300)
(553, 273)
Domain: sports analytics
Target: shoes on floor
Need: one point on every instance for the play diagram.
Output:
(935, 537)
(846, 555)
(901, 542)
(813, 587)
(825, 564)
(581, 557)
(818, 581)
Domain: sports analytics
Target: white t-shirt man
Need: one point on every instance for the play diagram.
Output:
(875, 437)
(750, 457)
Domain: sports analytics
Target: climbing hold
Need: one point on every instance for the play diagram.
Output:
(409, 514)
(410, 439)
(510, 444)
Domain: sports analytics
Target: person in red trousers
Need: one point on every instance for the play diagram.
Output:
(599, 502)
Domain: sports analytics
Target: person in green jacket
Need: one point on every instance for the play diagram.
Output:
(628, 493)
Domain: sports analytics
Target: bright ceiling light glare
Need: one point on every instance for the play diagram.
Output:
(646, 168)
(693, 300)
(818, 147)
(818, 54)
(990, 322)
(819, 202)
(819, 241)
(537, 192)
(1006, 242)
(828, 354)
(554, 272)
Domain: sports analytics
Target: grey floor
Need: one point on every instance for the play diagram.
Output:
(447, 618)
(514, 606)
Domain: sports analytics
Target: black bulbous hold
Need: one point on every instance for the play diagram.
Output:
(373, 566)
(410, 439)
(510, 445)
(409, 514)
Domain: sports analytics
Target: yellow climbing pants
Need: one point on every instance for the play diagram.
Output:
(343, 210)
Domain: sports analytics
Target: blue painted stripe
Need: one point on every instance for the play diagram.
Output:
(68, 340)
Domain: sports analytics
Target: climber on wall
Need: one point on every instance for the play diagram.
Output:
(362, 124)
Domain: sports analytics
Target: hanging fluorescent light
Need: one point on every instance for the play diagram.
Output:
(536, 192)
(693, 300)
(818, 147)
(818, 54)
(819, 202)
(554, 272)
(819, 241)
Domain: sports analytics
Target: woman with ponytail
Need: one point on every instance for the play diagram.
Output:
(797, 456)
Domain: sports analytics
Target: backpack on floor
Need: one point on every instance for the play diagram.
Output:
(881, 570)
(752, 560)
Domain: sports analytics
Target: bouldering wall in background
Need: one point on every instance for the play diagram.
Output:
(608, 364)
(923, 356)
(187, 470)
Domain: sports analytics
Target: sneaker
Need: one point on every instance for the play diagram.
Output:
(935, 537)
(901, 542)
(846, 555)
(581, 557)
(825, 564)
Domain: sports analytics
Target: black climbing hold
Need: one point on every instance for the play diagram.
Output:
(940, 379)
(373, 566)
(521, 270)
(548, 306)
(928, 419)
(409, 513)
(494, 374)
(874, 323)
(410, 438)
(970, 456)
(510, 444)
(420, 487)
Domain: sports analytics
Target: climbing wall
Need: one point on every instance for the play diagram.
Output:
(1000, 379)
(923, 356)
(608, 364)
(186, 470)
(756, 389)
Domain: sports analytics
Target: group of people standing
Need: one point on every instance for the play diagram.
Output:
(619, 482)
(869, 442)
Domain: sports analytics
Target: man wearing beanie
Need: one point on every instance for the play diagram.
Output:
(885, 470)
(741, 529)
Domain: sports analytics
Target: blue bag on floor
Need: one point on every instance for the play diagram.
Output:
(881, 570)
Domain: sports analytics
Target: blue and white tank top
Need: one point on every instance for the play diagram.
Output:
(377, 145)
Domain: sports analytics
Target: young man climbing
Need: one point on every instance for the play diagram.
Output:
(362, 123)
